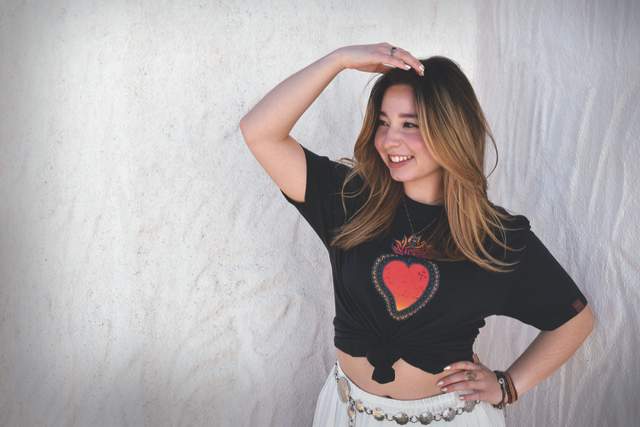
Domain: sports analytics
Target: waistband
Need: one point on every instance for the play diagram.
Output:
(442, 406)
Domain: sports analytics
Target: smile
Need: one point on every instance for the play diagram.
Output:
(395, 161)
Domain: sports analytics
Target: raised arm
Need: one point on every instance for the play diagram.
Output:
(266, 126)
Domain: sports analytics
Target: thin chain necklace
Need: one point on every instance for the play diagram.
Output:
(415, 239)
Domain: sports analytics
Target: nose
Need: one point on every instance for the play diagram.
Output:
(391, 139)
(391, 143)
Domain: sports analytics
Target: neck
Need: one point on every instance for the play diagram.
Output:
(429, 194)
(426, 189)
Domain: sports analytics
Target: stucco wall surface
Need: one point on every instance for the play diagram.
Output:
(150, 272)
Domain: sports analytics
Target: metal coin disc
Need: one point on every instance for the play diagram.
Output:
(468, 405)
(378, 414)
(351, 411)
(343, 389)
(449, 414)
(425, 418)
(401, 418)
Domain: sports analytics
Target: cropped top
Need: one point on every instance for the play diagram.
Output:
(390, 306)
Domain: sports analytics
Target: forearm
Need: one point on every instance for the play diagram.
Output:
(550, 350)
(278, 111)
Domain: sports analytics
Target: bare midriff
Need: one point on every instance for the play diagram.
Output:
(410, 382)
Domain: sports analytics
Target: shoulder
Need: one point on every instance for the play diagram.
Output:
(514, 231)
(353, 192)
(326, 173)
(515, 221)
(342, 168)
(338, 168)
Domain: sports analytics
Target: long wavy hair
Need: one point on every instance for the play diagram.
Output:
(454, 128)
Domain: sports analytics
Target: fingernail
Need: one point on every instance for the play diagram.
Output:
(407, 66)
(444, 389)
(446, 368)
(461, 397)
(440, 382)
(422, 68)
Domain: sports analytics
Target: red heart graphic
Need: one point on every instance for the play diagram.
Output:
(405, 282)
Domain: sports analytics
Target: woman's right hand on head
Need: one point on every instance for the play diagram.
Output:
(376, 58)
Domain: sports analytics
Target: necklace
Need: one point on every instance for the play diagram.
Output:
(415, 239)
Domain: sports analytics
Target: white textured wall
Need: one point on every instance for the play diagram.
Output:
(150, 273)
(560, 83)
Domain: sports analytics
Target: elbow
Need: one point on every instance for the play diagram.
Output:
(581, 325)
(243, 129)
(587, 322)
(589, 318)
(241, 124)
(249, 131)
(242, 121)
(592, 325)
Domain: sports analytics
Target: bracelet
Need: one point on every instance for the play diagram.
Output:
(501, 381)
(512, 386)
(508, 389)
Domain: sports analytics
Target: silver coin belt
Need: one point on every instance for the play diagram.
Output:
(424, 418)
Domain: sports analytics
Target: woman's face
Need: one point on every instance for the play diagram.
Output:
(397, 133)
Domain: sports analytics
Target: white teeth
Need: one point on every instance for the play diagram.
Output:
(397, 159)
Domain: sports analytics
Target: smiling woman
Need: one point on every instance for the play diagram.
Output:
(401, 149)
(419, 255)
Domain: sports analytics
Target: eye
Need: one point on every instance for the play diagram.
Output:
(381, 122)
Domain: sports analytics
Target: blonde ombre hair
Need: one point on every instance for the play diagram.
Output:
(454, 128)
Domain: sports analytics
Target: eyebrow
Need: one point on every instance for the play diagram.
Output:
(402, 115)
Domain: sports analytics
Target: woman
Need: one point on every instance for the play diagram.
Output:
(419, 254)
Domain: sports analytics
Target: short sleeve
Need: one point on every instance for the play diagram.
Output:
(322, 207)
(542, 293)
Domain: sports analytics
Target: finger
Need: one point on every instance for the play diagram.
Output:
(463, 364)
(476, 359)
(452, 379)
(410, 60)
(395, 62)
(471, 396)
(460, 385)
(464, 387)
(459, 378)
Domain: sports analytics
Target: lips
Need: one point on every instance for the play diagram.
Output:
(402, 163)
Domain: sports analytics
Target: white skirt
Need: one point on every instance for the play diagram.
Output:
(331, 411)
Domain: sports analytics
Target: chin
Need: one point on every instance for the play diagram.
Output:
(411, 176)
(401, 177)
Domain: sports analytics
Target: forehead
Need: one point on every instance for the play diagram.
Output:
(398, 99)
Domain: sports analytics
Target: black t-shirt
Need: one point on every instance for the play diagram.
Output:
(390, 306)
